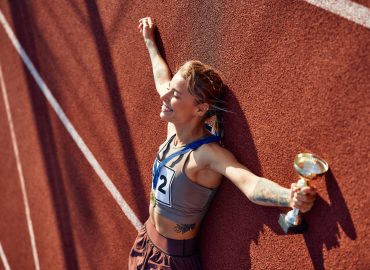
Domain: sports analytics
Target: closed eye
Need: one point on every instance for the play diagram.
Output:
(174, 93)
(178, 93)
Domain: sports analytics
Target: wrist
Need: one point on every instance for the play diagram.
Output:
(290, 197)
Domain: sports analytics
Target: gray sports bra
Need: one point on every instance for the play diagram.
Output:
(175, 196)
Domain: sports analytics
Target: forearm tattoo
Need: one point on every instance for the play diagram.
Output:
(269, 193)
(152, 49)
(183, 228)
(158, 70)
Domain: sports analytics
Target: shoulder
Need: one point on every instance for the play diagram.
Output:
(213, 155)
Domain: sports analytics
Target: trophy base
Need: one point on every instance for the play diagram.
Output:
(292, 229)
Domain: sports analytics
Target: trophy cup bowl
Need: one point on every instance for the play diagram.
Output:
(309, 167)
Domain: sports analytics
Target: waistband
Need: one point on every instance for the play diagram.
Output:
(172, 247)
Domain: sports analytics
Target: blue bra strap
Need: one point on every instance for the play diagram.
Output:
(188, 147)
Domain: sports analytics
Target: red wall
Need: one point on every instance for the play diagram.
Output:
(299, 81)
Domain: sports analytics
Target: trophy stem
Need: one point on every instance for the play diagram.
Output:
(293, 217)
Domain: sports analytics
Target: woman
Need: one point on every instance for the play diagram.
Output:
(190, 165)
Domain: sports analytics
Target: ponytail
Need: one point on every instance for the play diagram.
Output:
(215, 123)
(218, 126)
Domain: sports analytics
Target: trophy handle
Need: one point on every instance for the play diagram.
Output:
(293, 217)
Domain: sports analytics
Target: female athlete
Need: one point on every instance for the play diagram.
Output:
(191, 163)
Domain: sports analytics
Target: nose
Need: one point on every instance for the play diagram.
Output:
(166, 95)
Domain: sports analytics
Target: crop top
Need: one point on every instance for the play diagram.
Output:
(175, 196)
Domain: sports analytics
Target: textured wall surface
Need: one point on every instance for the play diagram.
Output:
(299, 79)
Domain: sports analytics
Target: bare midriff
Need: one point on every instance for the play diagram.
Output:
(167, 227)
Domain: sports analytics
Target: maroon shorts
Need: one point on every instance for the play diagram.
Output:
(152, 250)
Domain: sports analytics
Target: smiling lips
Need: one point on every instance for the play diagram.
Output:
(165, 108)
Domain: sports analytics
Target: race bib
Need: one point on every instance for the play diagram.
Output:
(163, 191)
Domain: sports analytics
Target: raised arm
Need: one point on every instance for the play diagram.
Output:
(259, 190)
(161, 72)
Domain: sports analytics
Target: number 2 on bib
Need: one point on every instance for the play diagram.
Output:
(163, 192)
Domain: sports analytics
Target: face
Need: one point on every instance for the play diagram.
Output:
(179, 105)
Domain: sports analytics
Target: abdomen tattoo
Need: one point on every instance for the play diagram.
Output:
(183, 228)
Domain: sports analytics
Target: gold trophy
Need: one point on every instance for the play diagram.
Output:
(308, 167)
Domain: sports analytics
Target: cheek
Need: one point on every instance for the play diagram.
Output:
(177, 103)
(183, 105)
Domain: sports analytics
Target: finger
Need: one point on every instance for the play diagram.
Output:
(145, 23)
(309, 190)
(301, 191)
(294, 187)
(302, 198)
(150, 22)
(303, 203)
(303, 207)
(306, 199)
(143, 19)
(296, 191)
(297, 204)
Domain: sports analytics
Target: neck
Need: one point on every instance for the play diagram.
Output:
(186, 134)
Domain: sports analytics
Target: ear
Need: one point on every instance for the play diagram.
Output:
(202, 109)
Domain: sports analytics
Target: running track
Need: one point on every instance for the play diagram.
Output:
(79, 127)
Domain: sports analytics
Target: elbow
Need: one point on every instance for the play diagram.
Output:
(250, 195)
(251, 189)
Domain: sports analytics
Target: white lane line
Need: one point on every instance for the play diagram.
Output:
(70, 128)
(3, 258)
(20, 173)
(346, 9)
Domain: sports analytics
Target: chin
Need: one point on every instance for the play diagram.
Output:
(163, 116)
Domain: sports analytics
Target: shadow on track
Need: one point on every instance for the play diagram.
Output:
(25, 33)
(219, 235)
(123, 127)
(326, 219)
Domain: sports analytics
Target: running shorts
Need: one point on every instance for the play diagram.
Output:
(152, 250)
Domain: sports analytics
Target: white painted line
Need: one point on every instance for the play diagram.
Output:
(346, 9)
(3, 258)
(20, 172)
(70, 128)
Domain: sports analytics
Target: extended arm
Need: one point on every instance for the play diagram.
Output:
(259, 190)
(161, 71)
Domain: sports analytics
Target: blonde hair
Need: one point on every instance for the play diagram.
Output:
(207, 86)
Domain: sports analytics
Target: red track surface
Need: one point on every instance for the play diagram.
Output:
(299, 80)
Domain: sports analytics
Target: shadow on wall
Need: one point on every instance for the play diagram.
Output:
(324, 220)
(226, 236)
(25, 30)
